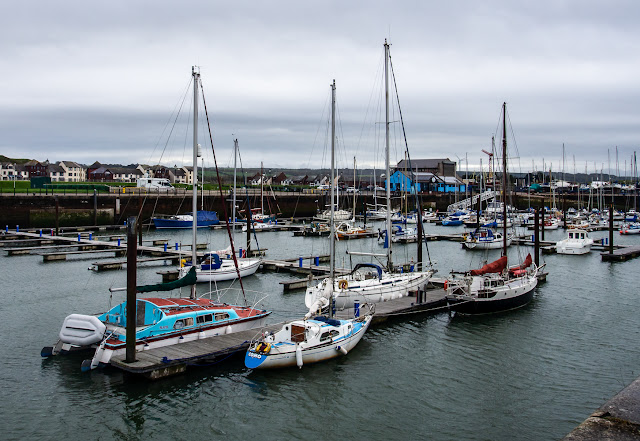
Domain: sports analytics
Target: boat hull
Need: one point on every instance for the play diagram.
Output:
(394, 287)
(247, 267)
(481, 306)
(205, 219)
(286, 356)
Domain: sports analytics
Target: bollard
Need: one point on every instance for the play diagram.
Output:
(300, 262)
(165, 247)
(41, 233)
(78, 237)
(176, 246)
(317, 260)
(356, 309)
(118, 242)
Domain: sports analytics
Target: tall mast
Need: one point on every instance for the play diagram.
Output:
(235, 166)
(504, 178)
(194, 223)
(354, 188)
(261, 189)
(386, 159)
(332, 246)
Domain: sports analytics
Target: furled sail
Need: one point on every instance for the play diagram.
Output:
(494, 267)
(187, 280)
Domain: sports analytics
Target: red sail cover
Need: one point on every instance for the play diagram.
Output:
(527, 262)
(494, 267)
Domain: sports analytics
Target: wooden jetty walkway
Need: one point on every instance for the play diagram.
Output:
(621, 254)
(88, 245)
(171, 360)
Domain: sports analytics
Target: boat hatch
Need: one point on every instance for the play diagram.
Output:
(297, 334)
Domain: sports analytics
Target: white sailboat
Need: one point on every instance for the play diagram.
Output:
(311, 339)
(496, 286)
(370, 283)
(213, 268)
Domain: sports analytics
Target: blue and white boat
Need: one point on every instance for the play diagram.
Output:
(302, 342)
(159, 322)
(453, 220)
(485, 239)
(205, 219)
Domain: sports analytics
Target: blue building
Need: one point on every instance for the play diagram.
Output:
(430, 176)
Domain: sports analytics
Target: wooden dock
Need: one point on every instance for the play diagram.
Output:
(64, 246)
(171, 360)
(621, 254)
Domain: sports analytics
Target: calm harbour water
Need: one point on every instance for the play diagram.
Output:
(530, 374)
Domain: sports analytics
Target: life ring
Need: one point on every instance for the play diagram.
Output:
(446, 283)
(343, 284)
(263, 348)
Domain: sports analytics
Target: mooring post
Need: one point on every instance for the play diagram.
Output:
(131, 291)
(95, 207)
(57, 214)
(611, 227)
(542, 223)
(536, 236)
(139, 231)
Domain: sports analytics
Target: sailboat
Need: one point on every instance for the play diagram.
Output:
(368, 282)
(494, 287)
(311, 339)
(158, 321)
(213, 268)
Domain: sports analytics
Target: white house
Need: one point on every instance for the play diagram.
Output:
(72, 172)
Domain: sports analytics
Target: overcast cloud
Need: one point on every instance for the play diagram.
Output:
(91, 81)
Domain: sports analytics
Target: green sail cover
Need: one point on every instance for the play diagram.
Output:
(189, 279)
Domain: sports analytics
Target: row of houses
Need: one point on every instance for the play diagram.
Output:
(69, 171)
(425, 175)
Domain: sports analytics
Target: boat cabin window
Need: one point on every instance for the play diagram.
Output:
(222, 316)
(329, 334)
(204, 318)
(179, 324)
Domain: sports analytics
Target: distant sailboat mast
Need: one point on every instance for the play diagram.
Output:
(196, 79)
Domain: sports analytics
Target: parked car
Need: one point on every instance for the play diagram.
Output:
(352, 190)
(323, 187)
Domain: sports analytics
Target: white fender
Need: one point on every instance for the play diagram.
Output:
(228, 329)
(299, 356)
(341, 349)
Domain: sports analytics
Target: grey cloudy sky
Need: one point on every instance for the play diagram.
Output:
(90, 81)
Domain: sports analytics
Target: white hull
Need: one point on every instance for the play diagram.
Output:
(391, 286)
(486, 245)
(310, 352)
(227, 271)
